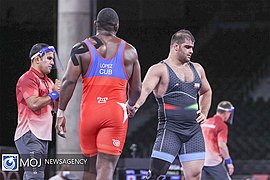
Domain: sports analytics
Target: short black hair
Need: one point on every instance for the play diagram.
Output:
(107, 18)
(180, 36)
(37, 47)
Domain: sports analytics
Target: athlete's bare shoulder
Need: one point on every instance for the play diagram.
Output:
(158, 69)
(156, 79)
(130, 46)
(130, 53)
(77, 50)
(199, 68)
(196, 65)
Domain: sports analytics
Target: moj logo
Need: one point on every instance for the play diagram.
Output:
(32, 162)
(10, 162)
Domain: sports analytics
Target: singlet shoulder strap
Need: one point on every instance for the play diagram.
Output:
(191, 65)
(196, 74)
(168, 67)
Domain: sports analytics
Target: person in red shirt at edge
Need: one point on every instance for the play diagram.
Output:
(37, 97)
(111, 78)
(215, 131)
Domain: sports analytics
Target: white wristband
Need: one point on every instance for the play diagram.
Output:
(60, 113)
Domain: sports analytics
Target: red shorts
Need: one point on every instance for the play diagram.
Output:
(103, 128)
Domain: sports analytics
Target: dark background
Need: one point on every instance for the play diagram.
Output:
(232, 44)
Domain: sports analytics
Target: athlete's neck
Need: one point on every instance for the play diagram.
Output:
(175, 62)
(105, 33)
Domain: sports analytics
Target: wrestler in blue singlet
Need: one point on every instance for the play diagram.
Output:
(178, 130)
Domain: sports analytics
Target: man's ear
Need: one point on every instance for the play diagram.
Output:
(37, 59)
(116, 27)
(176, 46)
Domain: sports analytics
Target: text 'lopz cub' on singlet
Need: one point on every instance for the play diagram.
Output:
(105, 80)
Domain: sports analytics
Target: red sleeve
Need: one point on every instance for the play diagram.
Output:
(29, 87)
(222, 131)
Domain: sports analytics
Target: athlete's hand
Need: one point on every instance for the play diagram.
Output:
(60, 124)
(131, 110)
(201, 117)
(57, 85)
(230, 168)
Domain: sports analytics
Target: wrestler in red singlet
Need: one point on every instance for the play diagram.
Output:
(111, 79)
(103, 119)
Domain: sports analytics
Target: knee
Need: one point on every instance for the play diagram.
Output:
(193, 175)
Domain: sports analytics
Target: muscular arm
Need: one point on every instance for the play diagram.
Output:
(151, 80)
(73, 71)
(68, 84)
(134, 72)
(205, 94)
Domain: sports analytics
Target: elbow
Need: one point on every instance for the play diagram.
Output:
(33, 107)
(139, 91)
(222, 145)
(219, 146)
(208, 92)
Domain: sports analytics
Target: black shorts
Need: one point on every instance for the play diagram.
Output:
(169, 144)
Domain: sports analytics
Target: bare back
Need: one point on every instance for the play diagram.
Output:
(108, 50)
